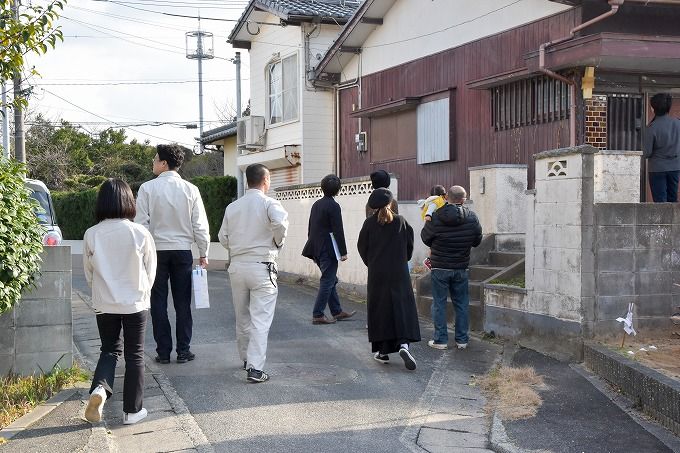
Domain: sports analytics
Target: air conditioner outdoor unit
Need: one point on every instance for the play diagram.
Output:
(250, 132)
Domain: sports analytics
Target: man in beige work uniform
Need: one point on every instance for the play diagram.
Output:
(253, 231)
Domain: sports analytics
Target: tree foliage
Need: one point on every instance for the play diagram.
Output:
(33, 31)
(66, 158)
(20, 234)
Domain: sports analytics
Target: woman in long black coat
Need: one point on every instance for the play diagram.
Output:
(385, 245)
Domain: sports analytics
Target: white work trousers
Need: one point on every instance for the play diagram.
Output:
(254, 293)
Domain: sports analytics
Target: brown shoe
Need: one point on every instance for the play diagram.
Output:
(323, 320)
(344, 315)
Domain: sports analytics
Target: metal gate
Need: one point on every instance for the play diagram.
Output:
(624, 122)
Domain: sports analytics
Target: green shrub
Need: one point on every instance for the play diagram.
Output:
(75, 212)
(20, 234)
(217, 192)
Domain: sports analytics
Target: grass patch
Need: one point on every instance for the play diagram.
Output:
(18, 395)
(513, 391)
(514, 281)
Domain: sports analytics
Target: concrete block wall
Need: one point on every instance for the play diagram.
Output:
(636, 260)
(562, 223)
(586, 255)
(498, 196)
(617, 176)
(37, 333)
(559, 273)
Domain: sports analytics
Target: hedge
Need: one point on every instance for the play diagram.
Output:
(217, 192)
(75, 210)
(20, 234)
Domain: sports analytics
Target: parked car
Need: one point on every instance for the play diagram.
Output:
(45, 213)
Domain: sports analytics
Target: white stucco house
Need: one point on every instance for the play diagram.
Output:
(291, 126)
(224, 137)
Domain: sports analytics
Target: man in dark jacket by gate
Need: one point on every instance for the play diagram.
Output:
(453, 231)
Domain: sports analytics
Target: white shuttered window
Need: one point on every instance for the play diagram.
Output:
(433, 131)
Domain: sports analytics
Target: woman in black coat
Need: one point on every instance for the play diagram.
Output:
(385, 245)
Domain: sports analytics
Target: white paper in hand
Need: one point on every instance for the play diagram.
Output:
(335, 247)
(199, 282)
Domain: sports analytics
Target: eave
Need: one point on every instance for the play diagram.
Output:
(369, 16)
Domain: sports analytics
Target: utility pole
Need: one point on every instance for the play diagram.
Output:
(239, 174)
(200, 52)
(5, 122)
(19, 144)
(237, 62)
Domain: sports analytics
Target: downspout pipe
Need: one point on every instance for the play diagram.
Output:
(614, 8)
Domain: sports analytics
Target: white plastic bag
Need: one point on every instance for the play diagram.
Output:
(199, 281)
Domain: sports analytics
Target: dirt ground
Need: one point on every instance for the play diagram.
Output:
(665, 358)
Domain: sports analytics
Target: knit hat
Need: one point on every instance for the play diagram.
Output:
(379, 198)
(380, 179)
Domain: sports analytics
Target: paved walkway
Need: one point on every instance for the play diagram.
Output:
(325, 394)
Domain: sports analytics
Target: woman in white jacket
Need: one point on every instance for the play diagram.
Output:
(119, 257)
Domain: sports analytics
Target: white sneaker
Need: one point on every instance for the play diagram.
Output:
(434, 345)
(409, 361)
(132, 418)
(95, 406)
(461, 345)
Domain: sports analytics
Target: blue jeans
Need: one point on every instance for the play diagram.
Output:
(664, 186)
(455, 283)
(327, 294)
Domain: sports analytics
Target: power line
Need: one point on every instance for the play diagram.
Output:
(93, 27)
(169, 4)
(413, 38)
(113, 122)
(97, 27)
(131, 19)
(165, 82)
(185, 15)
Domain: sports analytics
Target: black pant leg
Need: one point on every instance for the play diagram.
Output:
(134, 326)
(109, 332)
(159, 305)
(180, 283)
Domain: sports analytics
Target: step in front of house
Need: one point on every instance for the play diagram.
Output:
(479, 272)
(504, 259)
(476, 311)
(475, 289)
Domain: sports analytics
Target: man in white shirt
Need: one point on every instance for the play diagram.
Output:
(253, 231)
(172, 209)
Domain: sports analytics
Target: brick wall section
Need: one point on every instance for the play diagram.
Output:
(658, 395)
(596, 122)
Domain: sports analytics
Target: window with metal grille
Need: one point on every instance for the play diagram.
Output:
(624, 122)
(531, 101)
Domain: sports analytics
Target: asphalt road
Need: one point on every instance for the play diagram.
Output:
(326, 393)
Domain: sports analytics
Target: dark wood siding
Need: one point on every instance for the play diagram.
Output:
(476, 142)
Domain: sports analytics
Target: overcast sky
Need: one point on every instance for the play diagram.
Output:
(113, 56)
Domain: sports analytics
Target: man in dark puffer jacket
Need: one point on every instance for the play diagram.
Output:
(453, 231)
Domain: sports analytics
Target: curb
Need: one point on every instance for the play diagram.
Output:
(38, 412)
(658, 395)
(626, 405)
